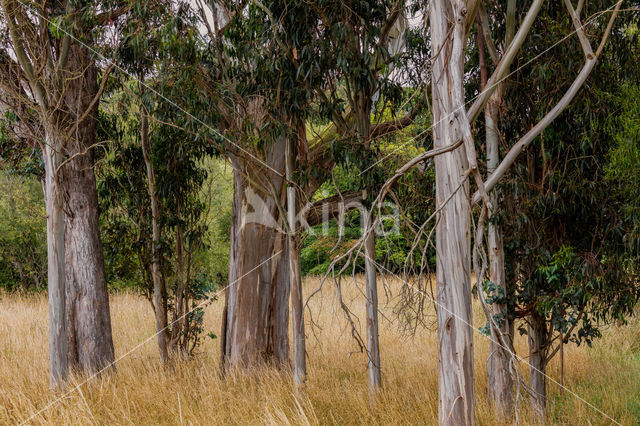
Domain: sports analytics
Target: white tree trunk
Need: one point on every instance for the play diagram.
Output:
(55, 264)
(295, 279)
(455, 338)
(373, 345)
(499, 380)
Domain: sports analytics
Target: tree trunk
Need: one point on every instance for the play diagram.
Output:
(179, 342)
(90, 343)
(538, 344)
(295, 274)
(499, 379)
(256, 314)
(373, 346)
(455, 339)
(159, 286)
(58, 366)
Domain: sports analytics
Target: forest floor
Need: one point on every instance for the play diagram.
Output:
(192, 391)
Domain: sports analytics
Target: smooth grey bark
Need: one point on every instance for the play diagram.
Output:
(499, 378)
(567, 98)
(256, 314)
(58, 366)
(453, 270)
(295, 274)
(54, 200)
(505, 61)
(373, 344)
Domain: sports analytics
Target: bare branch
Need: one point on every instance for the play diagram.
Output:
(332, 207)
(575, 18)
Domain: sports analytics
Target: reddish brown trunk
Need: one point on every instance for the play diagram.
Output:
(90, 344)
(538, 345)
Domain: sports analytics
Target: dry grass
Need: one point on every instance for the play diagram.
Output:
(142, 392)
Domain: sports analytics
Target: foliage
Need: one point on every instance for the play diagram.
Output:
(624, 158)
(181, 178)
(23, 258)
(567, 234)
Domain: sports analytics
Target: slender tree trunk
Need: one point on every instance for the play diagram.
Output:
(455, 339)
(256, 314)
(373, 346)
(538, 344)
(295, 274)
(178, 341)
(499, 379)
(90, 343)
(159, 287)
(365, 105)
(58, 366)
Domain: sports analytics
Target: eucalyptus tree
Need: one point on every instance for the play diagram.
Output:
(368, 44)
(455, 161)
(160, 51)
(568, 239)
(262, 103)
(499, 376)
(178, 160)
(279, 78)
(50, 68)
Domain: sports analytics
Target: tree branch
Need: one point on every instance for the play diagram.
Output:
(331, 207)
(104, 17)
(513, 153)
(505, 62)
(382, 129)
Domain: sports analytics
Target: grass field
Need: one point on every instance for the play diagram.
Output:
(192, 392)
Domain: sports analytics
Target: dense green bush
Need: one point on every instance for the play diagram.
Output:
(23, 241)
(321, 247)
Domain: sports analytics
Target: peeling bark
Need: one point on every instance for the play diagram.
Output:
(90, 343)
(58, 366)
(455, 339)
(256, 313)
